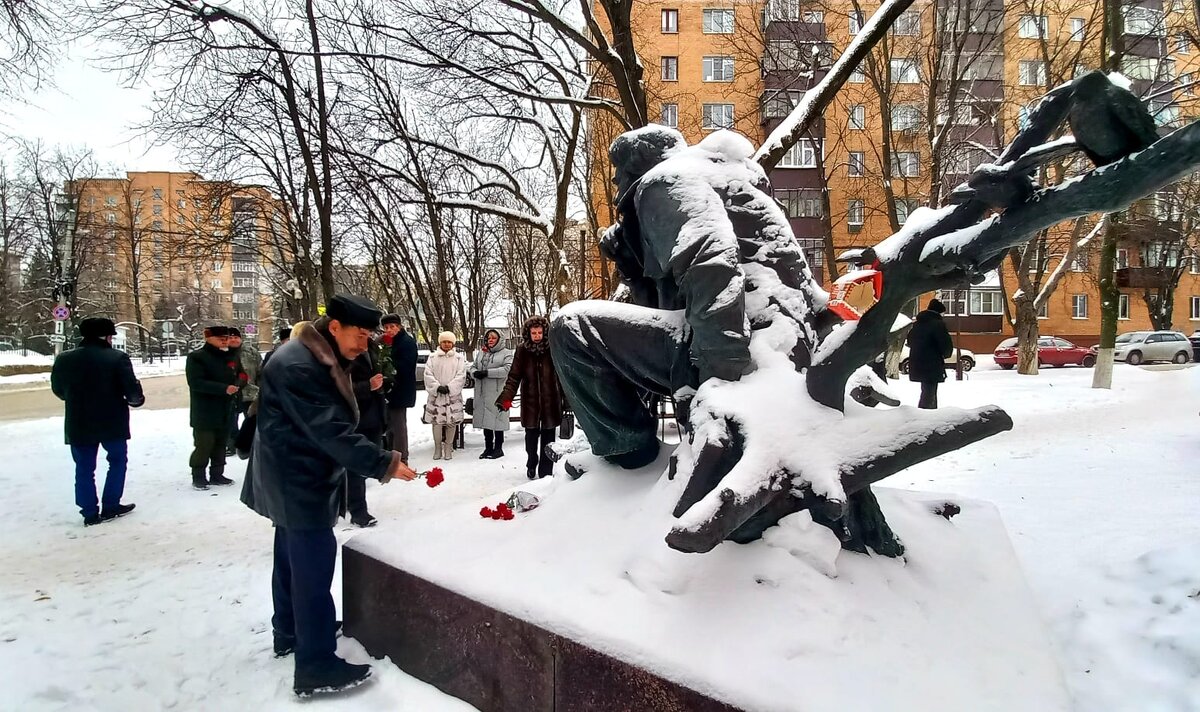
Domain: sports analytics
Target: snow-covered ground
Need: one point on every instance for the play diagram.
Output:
(169, 608)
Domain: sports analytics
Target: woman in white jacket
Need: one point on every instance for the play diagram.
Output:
(445, 373)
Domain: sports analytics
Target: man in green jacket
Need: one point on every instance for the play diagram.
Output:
(214, 378)
(251, 362)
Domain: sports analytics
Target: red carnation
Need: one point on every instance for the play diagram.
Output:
(434, 477)
(244, 376)
(497, 515)
(508, 514)
(232, 364)
(486, 512)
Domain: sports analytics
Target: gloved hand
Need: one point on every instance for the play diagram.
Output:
(480, 373)
(504, 405)
(443, 389)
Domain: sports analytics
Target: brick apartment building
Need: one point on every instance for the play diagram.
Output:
(951, 85)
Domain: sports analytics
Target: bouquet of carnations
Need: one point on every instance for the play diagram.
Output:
(433, 477)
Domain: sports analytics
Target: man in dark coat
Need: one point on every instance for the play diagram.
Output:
(403, 392)
(929, 346)
(367, 377)
(214, 379)
(99, 388)
(541, 398)
(307, 440)
(284, 335)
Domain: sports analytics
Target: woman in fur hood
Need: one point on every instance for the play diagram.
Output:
(532, 374)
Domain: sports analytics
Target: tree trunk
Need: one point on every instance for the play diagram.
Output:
(1110, 297)
(1026, 329)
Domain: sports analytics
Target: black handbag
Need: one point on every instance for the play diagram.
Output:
(566, 429)
(469, 406)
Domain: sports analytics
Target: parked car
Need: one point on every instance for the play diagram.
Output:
(1195, 339)
(1135, 347)
(967, 357)
(1051, 351)
(423, 356)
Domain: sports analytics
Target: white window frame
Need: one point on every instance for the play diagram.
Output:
(1078, 29)
(856, 164)
(1123, 307)
(1122, 260)
(243, 298)
(995, 302)
(857, 76)
(215, 284)
(906, 164)
(858, 117)
(707, 122)
(803, 154)
(1044, 311)
(1194, 308)
(812, 17)
(1142, 21)
(1079, 306)
(1183, 45)
(1039, 73)
(717, 68)
(783, 10)
(668, 68)
(670, 21)
(904, 70)
(710, 26)
(907, 24)
(905, 207)
(1033, 27)
(910, 112)
(856, 22)
(669, 115)
(856, 205)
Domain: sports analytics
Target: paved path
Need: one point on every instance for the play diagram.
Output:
(37, 401)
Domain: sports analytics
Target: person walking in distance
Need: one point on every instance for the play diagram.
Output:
(491, 371)
(251, 362)
(296, 477)
(367, 377)
(929, 345)
(445, 373)
(532, 374)
(98, 385)
(214, 379)
(402, 394)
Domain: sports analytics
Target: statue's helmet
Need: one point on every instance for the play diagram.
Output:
(635, 152)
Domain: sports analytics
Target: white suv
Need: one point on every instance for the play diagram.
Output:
(1137, 347)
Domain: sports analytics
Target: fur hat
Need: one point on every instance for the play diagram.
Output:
(97, 327)
(935, 305)
(447, 336)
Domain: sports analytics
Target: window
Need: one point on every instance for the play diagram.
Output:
(906, 164)
(1031, 73)
(908, 24)
(801, 155)
(854, 212)
(778, 104)
(218, 266)
(856, 22)
(1122, 258)
(904, 208)
(670, 115)
(1081, 261)
(904, 71)
(1182, 44)
(1187, 84)
(1194, 312)
(110, 202)
(1077, 29)
(964, 115)
(670, 21)
(1164, 111)
(857, 76)
(1147, 68)
(243, 298)
(243, 282)
(1044, 311)
(110, 218)
(181, 204)
(157, 225)
(905, 117)
(1123, 307)
(813, 17)
(1079, 306)
(1032, 27)
(798, 203)
(670, 69)
(243, 267)
(781, 54)
(243, 314)
(180, 218)
(717, 116)
(718, 69)
(1160, 253)
(986, 65)
(858, 117)
(158, 193)
(216, 284)
(110, 284)
(158, 210)
(718, 22)
(783, 10)
(987, 302)
(857, 164)
(1194, 267)
(1142, 21)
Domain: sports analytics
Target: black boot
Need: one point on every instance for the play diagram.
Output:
(199, 481)
(498, 448)
(334, 676)
(531, 473)
(118, 511)
(217, 477)
(488, 442)
(285, 644)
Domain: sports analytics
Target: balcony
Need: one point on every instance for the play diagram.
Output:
(1142, 277)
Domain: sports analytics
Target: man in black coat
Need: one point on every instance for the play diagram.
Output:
(99, 388)
(214, 379)
(929, 346)
(366, 373)
(403, 393)
(307, 440)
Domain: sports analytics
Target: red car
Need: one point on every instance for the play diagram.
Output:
(1052, 351)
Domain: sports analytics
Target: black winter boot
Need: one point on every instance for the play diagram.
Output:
(498, 448)
(199, 481)
(218, 478)
(335, 676)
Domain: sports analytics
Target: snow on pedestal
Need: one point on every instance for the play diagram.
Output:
(790, 622)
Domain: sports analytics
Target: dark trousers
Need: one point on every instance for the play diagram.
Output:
(300, 582)
(117, 452)
(536, 440)
(356, 487)
(239, 408)
(928, 395)
(492, 440)
(398, 427)
(607, 362)
(209, 450)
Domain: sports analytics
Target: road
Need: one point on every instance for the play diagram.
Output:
(162, 392)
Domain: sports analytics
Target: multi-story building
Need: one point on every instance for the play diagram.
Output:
(951, 85)
(167, 253)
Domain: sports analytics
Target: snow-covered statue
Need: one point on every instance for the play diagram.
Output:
(728, 319)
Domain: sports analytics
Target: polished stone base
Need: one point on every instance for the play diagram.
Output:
(494, 661)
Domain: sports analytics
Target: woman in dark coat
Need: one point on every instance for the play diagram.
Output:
(532, 373)
(929, 346)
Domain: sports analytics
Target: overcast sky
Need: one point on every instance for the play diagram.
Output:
(90, 107)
